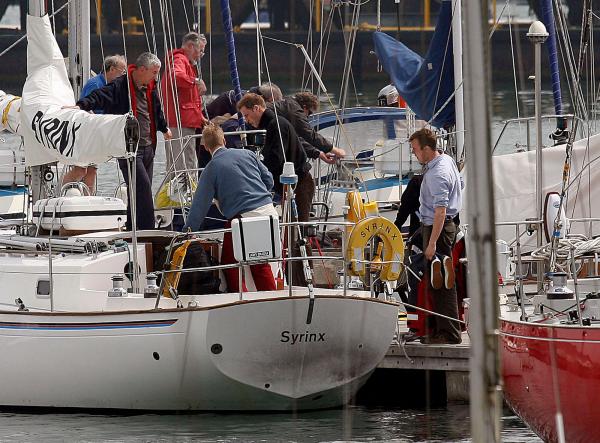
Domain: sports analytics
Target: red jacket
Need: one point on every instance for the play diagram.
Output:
(179, 69)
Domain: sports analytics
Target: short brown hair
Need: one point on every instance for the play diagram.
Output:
(425, 137)
(250, 100)
(212, 136)
(307, 100)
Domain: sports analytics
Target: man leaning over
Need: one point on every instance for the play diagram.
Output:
(241, 185)
(137, 90)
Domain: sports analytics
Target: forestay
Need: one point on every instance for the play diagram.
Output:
(51, 134)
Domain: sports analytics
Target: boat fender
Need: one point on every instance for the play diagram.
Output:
(172, 278)
(356, 208)
(393, 247)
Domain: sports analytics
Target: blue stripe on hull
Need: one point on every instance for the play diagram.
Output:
(87, 326)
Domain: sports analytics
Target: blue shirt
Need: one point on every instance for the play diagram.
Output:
(239, 182)
(442, 187)
(91, 85)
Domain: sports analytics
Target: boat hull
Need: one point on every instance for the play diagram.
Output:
(249, 355)
(548, 368)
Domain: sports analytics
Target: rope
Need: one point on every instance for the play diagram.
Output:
(7, 110)
(126, 58)
(230, 43)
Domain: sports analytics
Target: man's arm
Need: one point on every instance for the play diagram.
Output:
(265, 175)
(307, 132)
(99, 99)
(88, 88)
(273, 152)
(182, 79)
(439, 217)
(409, 202)
(202, 201)
(161, 122)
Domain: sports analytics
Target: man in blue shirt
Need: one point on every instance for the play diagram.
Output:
(440, 201)
(241, 184)
(114, 66)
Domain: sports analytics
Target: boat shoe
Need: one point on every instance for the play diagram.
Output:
(449, 276)
(437, 279)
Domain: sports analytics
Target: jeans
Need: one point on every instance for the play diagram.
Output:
(144, 165)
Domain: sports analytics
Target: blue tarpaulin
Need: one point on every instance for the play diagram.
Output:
(425, 83)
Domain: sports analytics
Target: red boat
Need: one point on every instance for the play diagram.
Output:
(552, 369)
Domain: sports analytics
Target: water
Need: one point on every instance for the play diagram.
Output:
(353, 424)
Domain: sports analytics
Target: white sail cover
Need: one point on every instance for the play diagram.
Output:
(10, 118)
(51, 134)
(514, 185)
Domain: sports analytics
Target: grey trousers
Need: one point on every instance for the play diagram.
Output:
(444, 300)
(173, 148)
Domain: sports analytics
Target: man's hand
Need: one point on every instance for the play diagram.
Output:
(326, 158)
(201, 86)
(338, 152)
(168, 135)
(70, 107)
(430, 251)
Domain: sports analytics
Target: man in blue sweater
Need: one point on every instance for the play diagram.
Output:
(241, 184)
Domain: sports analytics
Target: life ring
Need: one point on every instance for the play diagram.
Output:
(393, 247)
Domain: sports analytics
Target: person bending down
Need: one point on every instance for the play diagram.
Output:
(241, 185)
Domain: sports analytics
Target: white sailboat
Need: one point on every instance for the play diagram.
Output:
(77, 326)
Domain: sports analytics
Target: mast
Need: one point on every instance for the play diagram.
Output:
(538, 35)
(548, 19)
(79, 44)
(230, 42)
(485, 389)
(458, 78)
(37, 8)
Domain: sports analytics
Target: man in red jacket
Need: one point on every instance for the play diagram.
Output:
(183, 90)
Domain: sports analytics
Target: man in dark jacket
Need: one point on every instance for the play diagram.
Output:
(281, 145)
(137, 92)
(296, 110)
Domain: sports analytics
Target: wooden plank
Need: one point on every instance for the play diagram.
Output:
(428, 357)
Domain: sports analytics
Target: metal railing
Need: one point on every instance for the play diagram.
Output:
(527, 121)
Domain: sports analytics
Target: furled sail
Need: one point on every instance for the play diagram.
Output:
(426, 84)
(50, 133)
(515, 196)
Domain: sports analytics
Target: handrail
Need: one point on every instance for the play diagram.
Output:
(529, 119)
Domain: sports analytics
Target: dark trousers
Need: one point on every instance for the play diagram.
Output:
(303, 195)
(144, 166)
(444, 300)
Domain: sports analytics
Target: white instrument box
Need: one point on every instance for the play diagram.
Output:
(256, 238)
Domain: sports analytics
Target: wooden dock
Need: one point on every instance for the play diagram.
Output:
(434, 374)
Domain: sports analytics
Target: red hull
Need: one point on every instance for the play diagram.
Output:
(528, 359)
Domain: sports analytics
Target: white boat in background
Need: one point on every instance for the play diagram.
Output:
(84, 331)
(379, 160)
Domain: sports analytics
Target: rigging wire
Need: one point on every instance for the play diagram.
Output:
(512, 52)
(23, 37)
